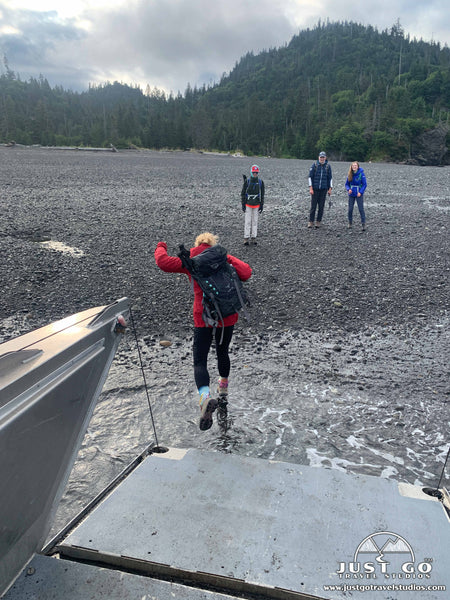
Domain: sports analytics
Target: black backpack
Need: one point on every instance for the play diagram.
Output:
(223, 292)
(253, 190)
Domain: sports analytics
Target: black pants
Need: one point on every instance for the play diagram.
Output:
(317, 200)
(202, 343)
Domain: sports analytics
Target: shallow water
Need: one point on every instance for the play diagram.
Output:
(339, 412)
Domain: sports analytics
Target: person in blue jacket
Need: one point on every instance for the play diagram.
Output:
(356, 185)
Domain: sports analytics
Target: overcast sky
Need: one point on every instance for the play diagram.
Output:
(170, 43)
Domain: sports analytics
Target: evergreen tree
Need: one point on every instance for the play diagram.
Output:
(361, 93)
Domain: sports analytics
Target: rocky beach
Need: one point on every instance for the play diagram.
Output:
(343, 362)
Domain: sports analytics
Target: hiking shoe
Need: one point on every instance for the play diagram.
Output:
(318, 224)
(222, 404)
(207, 406)
(349, 226)
(222, 411)
(246, 242)
(254, 242)
(310, 225)
(363, 226)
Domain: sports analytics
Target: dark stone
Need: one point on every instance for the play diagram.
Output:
(429, 148)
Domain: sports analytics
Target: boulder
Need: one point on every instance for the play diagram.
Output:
(429, 148)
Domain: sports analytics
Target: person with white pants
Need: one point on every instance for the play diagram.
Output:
(252, 197)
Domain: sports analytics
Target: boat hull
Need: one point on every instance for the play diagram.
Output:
(50, 380)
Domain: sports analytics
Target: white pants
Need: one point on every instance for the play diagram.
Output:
(251, 222)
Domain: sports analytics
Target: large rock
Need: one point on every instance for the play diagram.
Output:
(429, 148)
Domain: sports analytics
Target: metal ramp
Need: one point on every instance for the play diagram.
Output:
(195, 524)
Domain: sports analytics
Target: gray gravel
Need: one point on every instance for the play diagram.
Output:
(115, 207)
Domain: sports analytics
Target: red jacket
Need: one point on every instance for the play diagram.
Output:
(172, 264)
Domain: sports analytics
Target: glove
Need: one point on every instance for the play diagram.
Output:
(260, 210)
(243, 208)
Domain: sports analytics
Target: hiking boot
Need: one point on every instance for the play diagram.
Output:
(318, 224)
(310, 225)
(222, 404)
(246, 242)
(207, 406)
(222, 412)
(222, 387)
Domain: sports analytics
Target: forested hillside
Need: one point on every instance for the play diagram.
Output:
(348, 88)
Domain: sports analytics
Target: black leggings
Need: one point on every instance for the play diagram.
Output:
(202, 344)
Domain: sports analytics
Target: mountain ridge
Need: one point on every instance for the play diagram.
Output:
(359, 93)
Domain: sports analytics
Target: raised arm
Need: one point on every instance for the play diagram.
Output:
(168, 264)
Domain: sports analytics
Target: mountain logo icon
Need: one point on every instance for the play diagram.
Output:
(383, 543)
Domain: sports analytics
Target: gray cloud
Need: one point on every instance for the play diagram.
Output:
(170, 43)
(32, 41)
(173, 43)
(165, 43)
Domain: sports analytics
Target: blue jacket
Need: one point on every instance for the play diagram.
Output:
(357, 184)
(320, 176)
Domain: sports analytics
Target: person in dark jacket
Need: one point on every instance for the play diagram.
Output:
(356, 185)
(203, 334)
(252, 198)
(320, 183)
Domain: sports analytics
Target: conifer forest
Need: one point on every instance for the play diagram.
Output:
(344, 87)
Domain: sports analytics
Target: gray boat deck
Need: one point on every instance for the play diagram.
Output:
(215, 524)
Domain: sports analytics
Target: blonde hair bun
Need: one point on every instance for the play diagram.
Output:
(206, 238)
